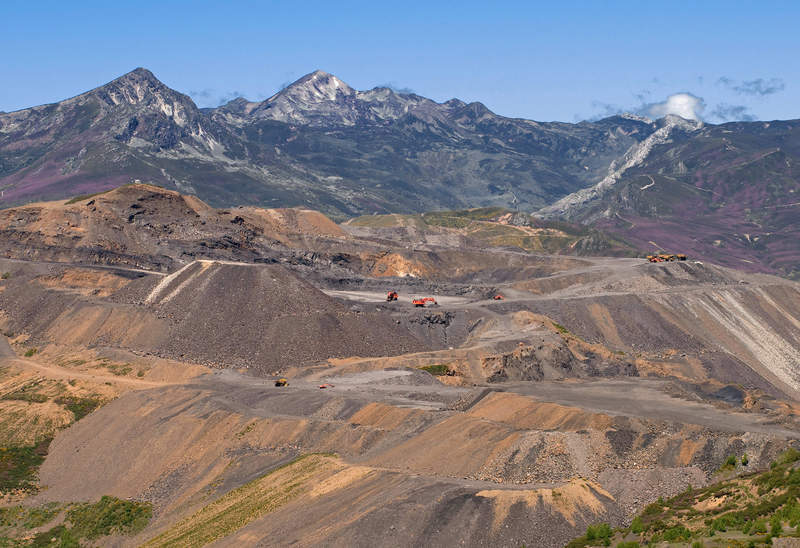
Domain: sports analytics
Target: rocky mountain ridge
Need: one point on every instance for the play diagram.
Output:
(317, 143)
(719, 192)
(726, 194)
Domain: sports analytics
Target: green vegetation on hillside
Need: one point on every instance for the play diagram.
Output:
(244, 504)
(749, 510)
(80, 407)
(489, 226)
(108, 516)
(27, 426)
(438, 369)
(19, 466)
(82, 521)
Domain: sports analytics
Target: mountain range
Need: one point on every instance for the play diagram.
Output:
(723, 192)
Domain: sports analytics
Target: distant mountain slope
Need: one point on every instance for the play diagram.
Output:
(490, 227)
(318, 143)
(728, 193)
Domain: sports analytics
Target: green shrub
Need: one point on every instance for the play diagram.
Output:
(65, 538)
(561, 329)
(30, 352)
(637, 525)
(697, 544)
(40, 515)
(598, 532)
(745, 460)
(724, 522)
(759, 526)
(730, 462)
(792, 514)
(80, 407)
(679, 532)
(438, 369)
(788, 457)
(653, 509)
(5, 275)
(775, 526)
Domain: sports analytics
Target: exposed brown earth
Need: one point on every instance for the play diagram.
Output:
(595, 386)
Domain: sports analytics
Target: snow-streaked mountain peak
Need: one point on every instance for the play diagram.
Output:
(315, 87)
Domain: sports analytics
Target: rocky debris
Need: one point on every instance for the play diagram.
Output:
(262, 317)
(493, 460)
(635, 489)
(551, 360)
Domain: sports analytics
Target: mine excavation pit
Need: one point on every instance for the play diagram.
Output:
(594, 386)
(404, 298)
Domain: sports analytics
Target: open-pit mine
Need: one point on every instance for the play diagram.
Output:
(538, 392)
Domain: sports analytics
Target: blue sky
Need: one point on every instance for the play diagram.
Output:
(564, 60)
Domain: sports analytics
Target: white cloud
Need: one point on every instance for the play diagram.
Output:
(684, 105)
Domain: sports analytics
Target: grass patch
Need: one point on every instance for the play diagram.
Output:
(30, 397)
(80, 407)
(5, 275)
(30, 352)
(729, 464)
(118, 369)
(561, 329)
(82, 522)
(19, 466)
(72, 363)
(27, 393)
(29, 517)
(108, 516)
(64, 538)
(438, 369)
(445, 221)
(252, 500)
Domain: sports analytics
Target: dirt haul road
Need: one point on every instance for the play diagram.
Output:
(378, 297)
